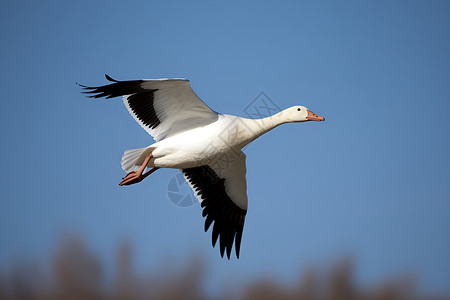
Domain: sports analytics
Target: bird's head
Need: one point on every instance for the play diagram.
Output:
(300, 114)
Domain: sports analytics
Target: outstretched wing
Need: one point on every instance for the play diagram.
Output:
(163, 107)
(221, 188)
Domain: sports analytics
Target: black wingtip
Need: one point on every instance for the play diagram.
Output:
(110, 79)
(222, 214)
(85, 91)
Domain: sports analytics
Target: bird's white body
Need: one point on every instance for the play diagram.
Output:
(201, 146)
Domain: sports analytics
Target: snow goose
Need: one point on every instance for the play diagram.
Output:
(193, 138)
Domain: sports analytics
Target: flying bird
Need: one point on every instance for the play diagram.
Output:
(205, 145)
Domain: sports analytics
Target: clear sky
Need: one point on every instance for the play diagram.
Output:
(372, 181)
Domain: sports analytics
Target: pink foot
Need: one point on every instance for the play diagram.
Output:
(132, 178)
(135, 177)
(129, 174)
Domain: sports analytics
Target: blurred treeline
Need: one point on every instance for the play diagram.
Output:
(76, 273)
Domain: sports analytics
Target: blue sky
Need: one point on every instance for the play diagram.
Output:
(372, 182)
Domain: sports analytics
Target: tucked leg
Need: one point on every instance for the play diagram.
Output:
(135, 177)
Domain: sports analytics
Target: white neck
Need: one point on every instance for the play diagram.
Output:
(254, 128)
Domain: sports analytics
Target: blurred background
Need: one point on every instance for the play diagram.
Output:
(357, 207)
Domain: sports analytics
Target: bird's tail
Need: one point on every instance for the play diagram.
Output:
(133, 159)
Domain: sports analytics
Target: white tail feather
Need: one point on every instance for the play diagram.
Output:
(133, 159)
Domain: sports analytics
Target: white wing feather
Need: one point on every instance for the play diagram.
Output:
(231, 167)
(177, 107)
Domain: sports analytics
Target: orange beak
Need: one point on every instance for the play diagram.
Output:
(313, 117)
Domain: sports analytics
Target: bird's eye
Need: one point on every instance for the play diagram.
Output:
(298, 109)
